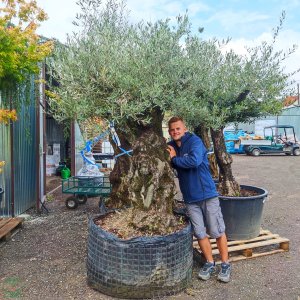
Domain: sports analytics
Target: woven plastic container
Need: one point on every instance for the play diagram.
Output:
(139, 268)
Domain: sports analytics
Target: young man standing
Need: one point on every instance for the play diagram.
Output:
(189, 157)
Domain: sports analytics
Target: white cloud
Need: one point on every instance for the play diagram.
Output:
(285, 41)
(231, 20)
(197, 7)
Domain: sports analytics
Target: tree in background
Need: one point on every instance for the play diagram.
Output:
(129, 74)
(224, 87)
(20, 47)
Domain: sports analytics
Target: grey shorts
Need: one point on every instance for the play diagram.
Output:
(206, 218)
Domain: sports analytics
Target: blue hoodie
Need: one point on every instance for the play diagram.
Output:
(191, 163)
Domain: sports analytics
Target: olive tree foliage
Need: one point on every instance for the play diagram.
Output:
(114, 69)
(129, 74)
(223, 87)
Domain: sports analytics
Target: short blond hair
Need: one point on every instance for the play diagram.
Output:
(175, 119)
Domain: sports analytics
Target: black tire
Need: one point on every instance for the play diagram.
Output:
(296, 151)
(81, 199)
(71, 202)
(288, 153)
(255, 152)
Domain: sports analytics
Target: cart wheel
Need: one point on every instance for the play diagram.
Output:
(71, 202)
(296, 152)
(255, 152)
(81, 199)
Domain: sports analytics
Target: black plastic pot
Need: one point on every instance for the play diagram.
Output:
(1, 194)
(139, 268)
(243, 215)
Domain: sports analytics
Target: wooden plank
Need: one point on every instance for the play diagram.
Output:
(254, 255)
(262, 235)
(4, 221)
(5, 231)
(238, 242)
(253, 245)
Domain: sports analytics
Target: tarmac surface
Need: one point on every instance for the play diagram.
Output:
(46, 258)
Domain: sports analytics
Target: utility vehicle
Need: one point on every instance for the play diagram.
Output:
(277, 139)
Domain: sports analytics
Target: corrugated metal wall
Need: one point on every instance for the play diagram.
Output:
(5, 206)
(291, 116)
(24, 161)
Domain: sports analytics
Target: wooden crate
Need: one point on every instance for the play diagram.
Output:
(266, 243)
(8, 225)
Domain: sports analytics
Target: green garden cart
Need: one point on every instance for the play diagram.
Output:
(83, 187)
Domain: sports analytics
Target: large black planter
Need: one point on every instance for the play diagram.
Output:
(1, 194)
(145, 267)
(243, 215)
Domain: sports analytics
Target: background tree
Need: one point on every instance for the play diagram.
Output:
(224, 87)
(128, 74)
(21, 48)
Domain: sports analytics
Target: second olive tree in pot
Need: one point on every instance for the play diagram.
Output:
(222, 88)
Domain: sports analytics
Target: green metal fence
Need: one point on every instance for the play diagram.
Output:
(18, 148)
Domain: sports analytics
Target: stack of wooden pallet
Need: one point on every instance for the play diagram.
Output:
(8, 226)
(265, 244)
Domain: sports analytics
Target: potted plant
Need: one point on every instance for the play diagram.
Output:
(224, 87)
(128, 74)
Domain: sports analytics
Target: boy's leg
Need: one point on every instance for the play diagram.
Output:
(216, 229)
(196, 217)
(205, 246)
(223, 248)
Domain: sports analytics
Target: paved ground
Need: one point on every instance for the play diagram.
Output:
(46, 259)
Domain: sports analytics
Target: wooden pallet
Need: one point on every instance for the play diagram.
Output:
(244, 249)
(8, 225)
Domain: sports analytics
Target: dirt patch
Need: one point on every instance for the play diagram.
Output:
(118, 223)
(52, 182)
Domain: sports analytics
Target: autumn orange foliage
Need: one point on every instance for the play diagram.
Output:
(6, 115)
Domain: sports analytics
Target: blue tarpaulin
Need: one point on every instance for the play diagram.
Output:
(231, 141)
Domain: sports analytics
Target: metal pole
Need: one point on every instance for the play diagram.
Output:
(73, 156)
(298, 94)
(12, 165)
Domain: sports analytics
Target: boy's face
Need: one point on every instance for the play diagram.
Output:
(177, 130)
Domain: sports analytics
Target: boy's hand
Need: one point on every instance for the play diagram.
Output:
(172, 151)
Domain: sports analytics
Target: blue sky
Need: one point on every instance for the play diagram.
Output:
(246, 22)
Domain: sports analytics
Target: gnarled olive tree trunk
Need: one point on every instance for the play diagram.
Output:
(227, 183)
(145, 181)
(202, 132)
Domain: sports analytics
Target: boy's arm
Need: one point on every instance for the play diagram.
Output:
(192, 159)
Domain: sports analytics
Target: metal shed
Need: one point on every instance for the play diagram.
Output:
(21, 147)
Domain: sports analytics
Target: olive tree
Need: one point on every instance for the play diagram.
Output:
(129, 74)
(224, 87)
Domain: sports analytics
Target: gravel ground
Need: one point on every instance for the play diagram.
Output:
(46, 258)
